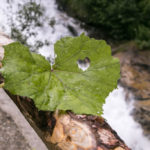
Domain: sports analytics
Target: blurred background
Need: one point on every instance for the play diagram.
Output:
(124, 24)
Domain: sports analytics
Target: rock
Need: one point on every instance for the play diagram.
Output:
(135, 77)
(135, 72)
(10, 136)
(142, 115)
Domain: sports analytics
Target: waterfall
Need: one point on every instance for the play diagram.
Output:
(117, 112)
(51, 26)
(54, 24)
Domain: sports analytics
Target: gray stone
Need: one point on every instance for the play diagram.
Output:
(10, 137)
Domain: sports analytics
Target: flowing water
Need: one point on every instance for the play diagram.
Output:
(38, 24)
(117, 112)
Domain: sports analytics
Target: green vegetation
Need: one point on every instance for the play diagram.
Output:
(120, 19)
(63, 86)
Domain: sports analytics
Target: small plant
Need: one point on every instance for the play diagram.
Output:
(64, 85)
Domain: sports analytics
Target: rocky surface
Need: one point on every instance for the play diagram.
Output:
(135, 77)
(10, 137)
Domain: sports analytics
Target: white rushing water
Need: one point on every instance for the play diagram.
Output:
(54, 26)
(117, 112)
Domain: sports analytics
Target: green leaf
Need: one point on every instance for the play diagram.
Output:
(66, 86)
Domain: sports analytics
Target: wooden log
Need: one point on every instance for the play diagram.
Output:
(64, 130)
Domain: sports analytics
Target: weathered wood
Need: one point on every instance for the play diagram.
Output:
(67, 131)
